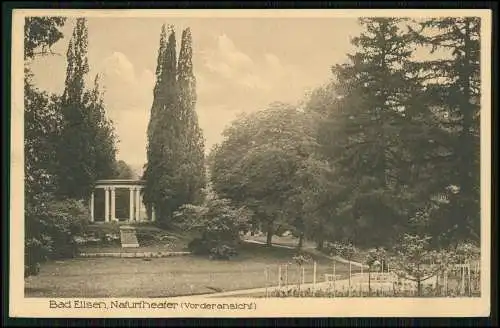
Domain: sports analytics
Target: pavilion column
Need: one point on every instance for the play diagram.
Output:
(141, 204)
(137, 203)
(131, 209)
(92, 206)
(113, 201)
(106, 204)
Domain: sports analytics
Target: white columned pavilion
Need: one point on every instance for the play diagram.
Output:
(137, 211)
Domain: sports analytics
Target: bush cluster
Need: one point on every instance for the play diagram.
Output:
(52, 228)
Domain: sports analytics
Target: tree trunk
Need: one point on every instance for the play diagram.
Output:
(321, 244)
(270, 233)
(301, 241)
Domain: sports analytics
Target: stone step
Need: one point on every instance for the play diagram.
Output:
(128, 237)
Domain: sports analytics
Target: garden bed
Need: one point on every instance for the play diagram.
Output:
(105, 238)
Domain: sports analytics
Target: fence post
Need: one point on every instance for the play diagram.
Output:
(437, 282)
(314, 277)
(279, 277)
(334, 279)
(470, 280)
(350, 268)
(286, 277)
(446, 282)
(478, 276)
(299, 280)
(265, 274)
(462, 282)
(361, 281)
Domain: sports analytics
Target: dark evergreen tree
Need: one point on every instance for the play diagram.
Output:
(452, 87)
(370, 135)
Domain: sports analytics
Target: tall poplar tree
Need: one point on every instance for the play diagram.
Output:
(86, 147)
(163, 181)
(193, 167)
(153, 145)
(73, 156)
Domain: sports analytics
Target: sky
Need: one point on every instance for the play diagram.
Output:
(241, 65)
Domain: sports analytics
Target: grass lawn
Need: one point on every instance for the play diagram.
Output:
(292, 241)
(171, 276)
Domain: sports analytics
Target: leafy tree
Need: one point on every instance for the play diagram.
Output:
(311, 202)
(59, 131)
(41, 32)
(102, 134)
(257, 162)
(42, 123)
(376, 257)
(124, 171)
(41, 117)
(416, 261)
(345, 249)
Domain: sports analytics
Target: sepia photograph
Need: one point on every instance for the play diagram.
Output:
(264, 157)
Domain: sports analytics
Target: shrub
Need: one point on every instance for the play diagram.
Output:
(199, 246)
(218, 225)
(51, 230)
(215, 250)
(67, 219)
(222, 252)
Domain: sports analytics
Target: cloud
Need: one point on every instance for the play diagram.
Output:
(225, 59)
(230, 76)
(124, 88)
(231, 82)
(230, 64)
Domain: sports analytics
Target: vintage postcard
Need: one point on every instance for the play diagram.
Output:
(250, 163)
